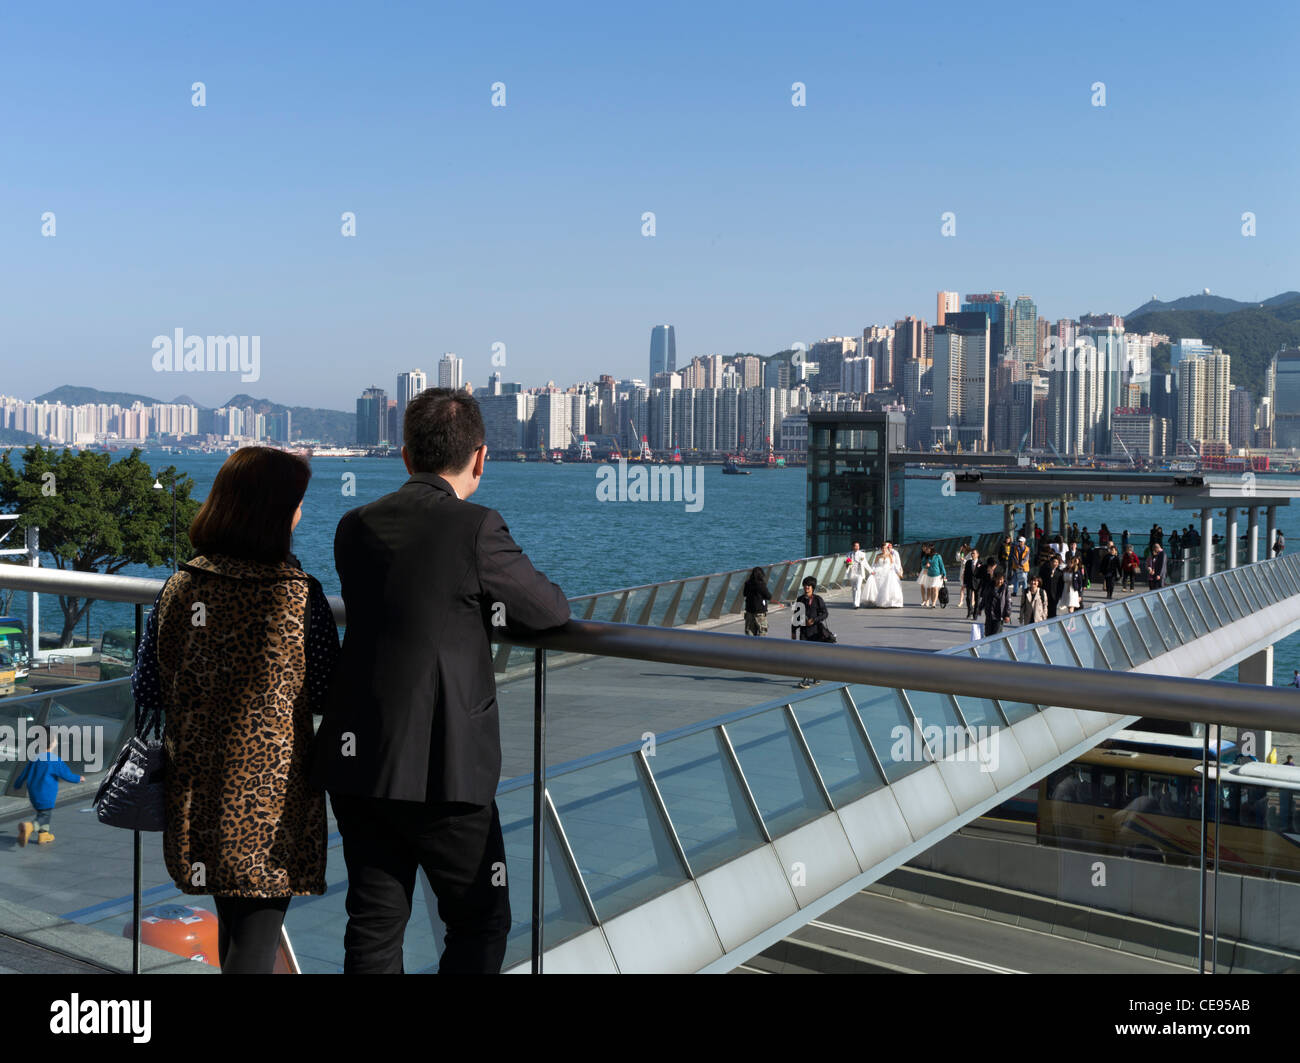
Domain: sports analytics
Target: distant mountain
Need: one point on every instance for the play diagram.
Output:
(1251, 336)
(71, 395)
(333, 427)
(1204, 301)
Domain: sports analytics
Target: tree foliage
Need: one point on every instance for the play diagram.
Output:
(95, 514)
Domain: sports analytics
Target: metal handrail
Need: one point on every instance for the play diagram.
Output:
(1167, 697)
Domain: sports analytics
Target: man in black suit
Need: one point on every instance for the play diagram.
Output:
(971, 576)
(1158, 564)
(1053, 581)
(409, 747)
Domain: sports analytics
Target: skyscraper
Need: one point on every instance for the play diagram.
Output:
(1285, 407)
(948, 303)
(961, 384)
(1024, 330)
(878, 343)
(372, 417)
(449, 372)
(1204, 386)
(663, 350)
(409, 384)
(909, 343)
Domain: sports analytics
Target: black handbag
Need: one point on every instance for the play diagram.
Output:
(943, 596)
(132, 795)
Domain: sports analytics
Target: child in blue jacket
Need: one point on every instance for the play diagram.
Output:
(41, 777)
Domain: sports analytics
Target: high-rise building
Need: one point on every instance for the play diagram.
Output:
(505, 423)
(878, 343)
(829, 354)
(909, 344)
(1241, 418)
(1187, 348)
(551, 419)
(1285, 407)
(409, 384)
(449, 372)
(372, 418)
(960, 413)
(1023, 338)
(663, 350)
(947, 303)
(994, 304)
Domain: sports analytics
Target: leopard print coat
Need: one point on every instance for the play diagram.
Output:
(242, 820)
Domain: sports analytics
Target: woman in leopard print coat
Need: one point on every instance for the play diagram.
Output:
(237, 654)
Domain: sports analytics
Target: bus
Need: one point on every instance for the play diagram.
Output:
(1147, 806)
(13, 645)
(117, 653)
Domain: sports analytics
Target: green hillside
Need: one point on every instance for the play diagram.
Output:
(1250, 337)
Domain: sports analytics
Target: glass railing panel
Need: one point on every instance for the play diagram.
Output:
(1150, 633)
(837, 746)
(636, 601)
(606, 606)
(1223, 604)
(1266, 578)
(690, 591)
(996, 649)
(1055, 643)
(1188, 601)
(1230, 588)
(889, 726)
(1265, 588)
(1077, 629)
(705, 799)
(777, 771)
(1164, 622)
(1015, 711)
(1178, 613)
(86, 876)
(1025, 646)
(980, 712)
(1100, 621)
(1127, 631)
(617, 833)
(564, 913)
(941, 726)
(1206, 603)
(1261, 597)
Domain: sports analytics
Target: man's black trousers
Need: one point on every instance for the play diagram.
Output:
(462, 852)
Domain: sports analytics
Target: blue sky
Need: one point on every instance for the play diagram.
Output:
(522, 224)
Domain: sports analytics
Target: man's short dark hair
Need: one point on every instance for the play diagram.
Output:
(808, 581)
(441, 429)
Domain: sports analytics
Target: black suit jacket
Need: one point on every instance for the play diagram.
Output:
(1158, 565)
(412, 713)
(1053, 583)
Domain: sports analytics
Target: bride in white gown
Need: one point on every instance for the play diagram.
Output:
(888, 571)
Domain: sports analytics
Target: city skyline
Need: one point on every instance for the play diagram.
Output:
(801, 178)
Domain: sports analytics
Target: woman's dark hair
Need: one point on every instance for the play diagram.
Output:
(441, 429)
(249, 512)
(757, 577)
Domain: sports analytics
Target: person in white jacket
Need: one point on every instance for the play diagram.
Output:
(860, 576)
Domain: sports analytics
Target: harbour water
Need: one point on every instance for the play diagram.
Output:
(586, 545)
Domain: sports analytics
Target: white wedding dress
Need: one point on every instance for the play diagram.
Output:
(889, 581)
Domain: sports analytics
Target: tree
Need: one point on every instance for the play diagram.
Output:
(97, 515)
